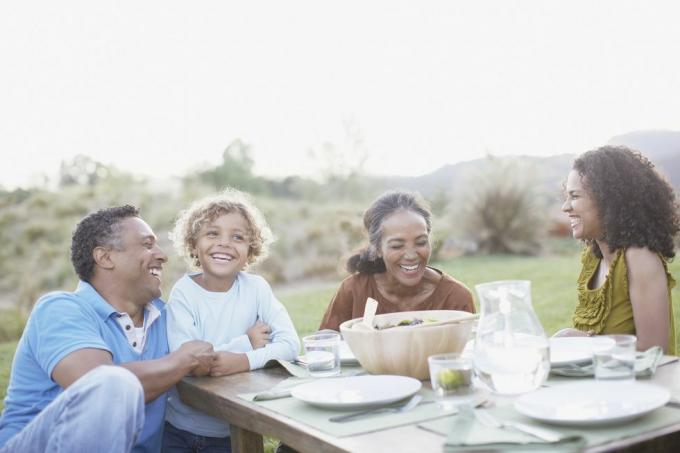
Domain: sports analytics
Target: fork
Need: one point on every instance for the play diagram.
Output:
(544, 434)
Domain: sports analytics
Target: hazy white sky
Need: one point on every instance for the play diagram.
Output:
(159, 87)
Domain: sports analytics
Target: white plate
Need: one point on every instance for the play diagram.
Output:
(356, 391)
(571, 350)
(592, 403)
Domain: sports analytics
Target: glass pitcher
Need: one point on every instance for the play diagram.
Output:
(511, 349)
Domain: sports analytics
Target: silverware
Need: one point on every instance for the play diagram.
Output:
(545, 434)
(410, 404)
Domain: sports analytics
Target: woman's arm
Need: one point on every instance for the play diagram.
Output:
(648, 290)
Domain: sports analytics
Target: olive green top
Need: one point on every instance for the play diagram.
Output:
(607, 309)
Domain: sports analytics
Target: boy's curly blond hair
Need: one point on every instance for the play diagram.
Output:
(190, 221)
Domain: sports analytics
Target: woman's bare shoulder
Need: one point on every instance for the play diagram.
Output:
(642, 259)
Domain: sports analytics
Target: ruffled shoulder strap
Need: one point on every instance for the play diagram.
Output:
(594, 306)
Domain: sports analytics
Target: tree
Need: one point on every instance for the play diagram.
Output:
(236, 170)
(82, 170)
(343, 167)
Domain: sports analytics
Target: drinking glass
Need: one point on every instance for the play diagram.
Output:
(614, 357)
(451, 378)
(322, 351)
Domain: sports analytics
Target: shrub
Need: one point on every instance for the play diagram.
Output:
(501, 213)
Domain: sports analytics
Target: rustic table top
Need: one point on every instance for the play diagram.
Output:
(249, 421)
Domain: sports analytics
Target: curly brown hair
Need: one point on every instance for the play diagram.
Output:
(190, 221)
(637, 206)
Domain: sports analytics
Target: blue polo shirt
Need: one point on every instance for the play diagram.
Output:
(64, 322)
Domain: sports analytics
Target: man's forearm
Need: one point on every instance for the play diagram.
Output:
(159, 375)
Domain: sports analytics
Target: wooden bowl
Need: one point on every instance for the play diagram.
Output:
(404, 350)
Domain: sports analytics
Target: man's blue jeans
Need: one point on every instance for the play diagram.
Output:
(177, 440)
(103, 411)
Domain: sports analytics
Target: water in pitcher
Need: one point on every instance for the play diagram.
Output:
(511, 349)
(512, 368)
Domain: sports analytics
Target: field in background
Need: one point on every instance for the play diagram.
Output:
(553, 292)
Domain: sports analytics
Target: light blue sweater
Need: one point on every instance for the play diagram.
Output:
(222, 318)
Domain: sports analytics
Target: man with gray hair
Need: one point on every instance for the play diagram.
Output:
(92, 369)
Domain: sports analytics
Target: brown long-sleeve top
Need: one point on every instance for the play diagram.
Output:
(350, 299)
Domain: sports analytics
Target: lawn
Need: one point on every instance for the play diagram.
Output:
(553, 292)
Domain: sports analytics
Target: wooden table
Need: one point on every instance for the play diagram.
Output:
(249, 422)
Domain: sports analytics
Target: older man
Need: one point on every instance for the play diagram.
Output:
(92, 368)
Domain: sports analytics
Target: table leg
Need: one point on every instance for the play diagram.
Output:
(244, 441)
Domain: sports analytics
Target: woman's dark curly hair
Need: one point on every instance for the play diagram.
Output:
(366, 260)
(637, 206)
(98, 229)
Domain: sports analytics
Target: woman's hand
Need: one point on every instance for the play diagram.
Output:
(258, 335)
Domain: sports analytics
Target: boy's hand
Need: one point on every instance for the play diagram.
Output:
(259, 335)
(229, 363)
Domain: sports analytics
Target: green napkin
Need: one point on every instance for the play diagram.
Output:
(645, 365)
(465, 433)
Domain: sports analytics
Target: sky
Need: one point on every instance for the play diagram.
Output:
(160, 88)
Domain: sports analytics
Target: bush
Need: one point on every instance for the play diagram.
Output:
(502, 214)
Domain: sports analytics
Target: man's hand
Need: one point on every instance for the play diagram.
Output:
(259, 335)
(200, 356)
(229, 363)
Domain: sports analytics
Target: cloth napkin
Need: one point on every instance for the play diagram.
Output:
(466, 433)
(645, 365)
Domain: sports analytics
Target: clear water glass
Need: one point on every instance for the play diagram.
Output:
(614, 357)
(322, 353)
(451, 378)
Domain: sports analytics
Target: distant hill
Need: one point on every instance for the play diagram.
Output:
(661, 147)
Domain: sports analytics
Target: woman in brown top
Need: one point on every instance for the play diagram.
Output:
(393, 268)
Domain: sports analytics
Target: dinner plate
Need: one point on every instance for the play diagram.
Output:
(356, 392)
(571, 350)
(592, 402)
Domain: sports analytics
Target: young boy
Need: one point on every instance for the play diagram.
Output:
(234, 310)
